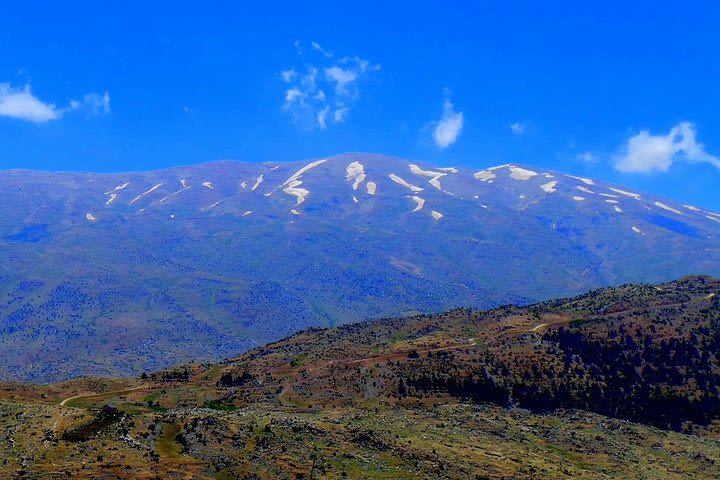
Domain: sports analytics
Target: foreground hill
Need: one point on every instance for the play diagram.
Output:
(615, 383)
(114, 274)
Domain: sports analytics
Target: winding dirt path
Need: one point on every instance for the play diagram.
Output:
(93, 395)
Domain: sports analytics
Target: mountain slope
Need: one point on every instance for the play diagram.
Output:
(110, 274)
(413, 397)
(643, 353)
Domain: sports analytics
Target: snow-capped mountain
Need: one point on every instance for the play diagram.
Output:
(119, 273)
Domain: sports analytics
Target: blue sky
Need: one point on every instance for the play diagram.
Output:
(623, 91)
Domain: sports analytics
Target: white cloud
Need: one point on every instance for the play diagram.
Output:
(308, 81)
(517, 128)
(342, 78)
(449, 127)
(291, 96)
(288, 75)
(586, 157)
(360, 64)
(326, 90)
(321, 116)
(340, 114)
(316, 46)
(23, 105)
(645, 153)
(20, 103)
(93, 103)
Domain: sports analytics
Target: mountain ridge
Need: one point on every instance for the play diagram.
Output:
(119, 273)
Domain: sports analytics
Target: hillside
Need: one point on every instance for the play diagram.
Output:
(619, 382)
(115, 274)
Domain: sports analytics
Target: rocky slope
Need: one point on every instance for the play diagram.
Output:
(499, 394)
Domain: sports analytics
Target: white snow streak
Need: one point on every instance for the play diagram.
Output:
(405, 184)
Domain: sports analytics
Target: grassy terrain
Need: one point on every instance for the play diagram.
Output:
(398, 398)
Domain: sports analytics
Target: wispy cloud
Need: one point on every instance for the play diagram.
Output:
(646, 153)
(316, 46)
(288, 75)
(339, 114)
(342, 78)
(322, 91)
(517, 128)
(586, 157)
(322, 114)
(20, 103)
(93, 103)
(448, 128)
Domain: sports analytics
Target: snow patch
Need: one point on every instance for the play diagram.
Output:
(690, 207)
(291, 184)
(586, 181)
(145, 193)
(549, 187)
(637, 230)
(172, 195)
(436, 215)
(617, 209)
(521, 173)
(294, 212)
(90, 217)
(584, 189)
(118, 188)
(611, 201)
(371, 188)
(405, 184)
(355, 199)
(244, 185)
(299, 193)
(245, 214)
(668, 208)
(434, 176)
(625, 193)
(258, 181)
(448, 169)
(420, 203)
(578, 199)
(112, 198)
(208, 185)
(484, 175)
(299, 173)
(355, 172)
(498, 167)
(713, 218)
(183, 182)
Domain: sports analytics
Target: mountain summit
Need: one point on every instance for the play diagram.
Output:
(120, 273)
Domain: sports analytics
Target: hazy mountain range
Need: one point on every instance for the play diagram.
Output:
(120, 273)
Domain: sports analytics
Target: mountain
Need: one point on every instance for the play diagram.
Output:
(615, 383)
(115, 274)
